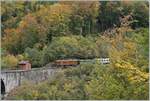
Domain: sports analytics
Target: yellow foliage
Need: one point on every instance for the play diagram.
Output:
(68, 87)
(133, 74)
(35, 94)
(12, 39)
(20, 57)
(10, 61)
(55, 13)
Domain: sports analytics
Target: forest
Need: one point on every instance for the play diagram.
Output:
(44, 31)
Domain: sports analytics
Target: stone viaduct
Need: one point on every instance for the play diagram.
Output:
(13, 78)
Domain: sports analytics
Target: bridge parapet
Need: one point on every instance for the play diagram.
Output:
(14, 78)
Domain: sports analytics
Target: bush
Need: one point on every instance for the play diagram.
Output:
(20, 57)
(9, 62)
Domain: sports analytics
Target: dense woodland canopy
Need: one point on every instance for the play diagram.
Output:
(43, 31)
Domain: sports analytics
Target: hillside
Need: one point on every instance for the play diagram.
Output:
(44, 31)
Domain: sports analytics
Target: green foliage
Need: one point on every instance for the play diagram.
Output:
(111, 11)
(30, 32)
(42, 32)
(34, 56)
(140, 13)
(107, 87)
(38, 22)
(70, 47)
(87, 81)
(103, 47)
(141, 37)
(83, 20)
(20, 57)
(54, 19)
(13, 11)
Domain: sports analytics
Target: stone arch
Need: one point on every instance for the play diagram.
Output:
(3, 89)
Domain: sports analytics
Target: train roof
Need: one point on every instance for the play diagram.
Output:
(67, 60)
(23, 62)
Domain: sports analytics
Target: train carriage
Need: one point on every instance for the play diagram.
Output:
(75, 62)
(68, 62)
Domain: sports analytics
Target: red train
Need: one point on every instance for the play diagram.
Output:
(68, 62)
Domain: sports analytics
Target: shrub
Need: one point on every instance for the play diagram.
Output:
(20, 57)
(9, 62)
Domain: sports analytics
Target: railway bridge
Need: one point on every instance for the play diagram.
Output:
(13, 78)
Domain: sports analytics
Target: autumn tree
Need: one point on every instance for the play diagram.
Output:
(83, 20)
(12, 41)
(55, 19)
